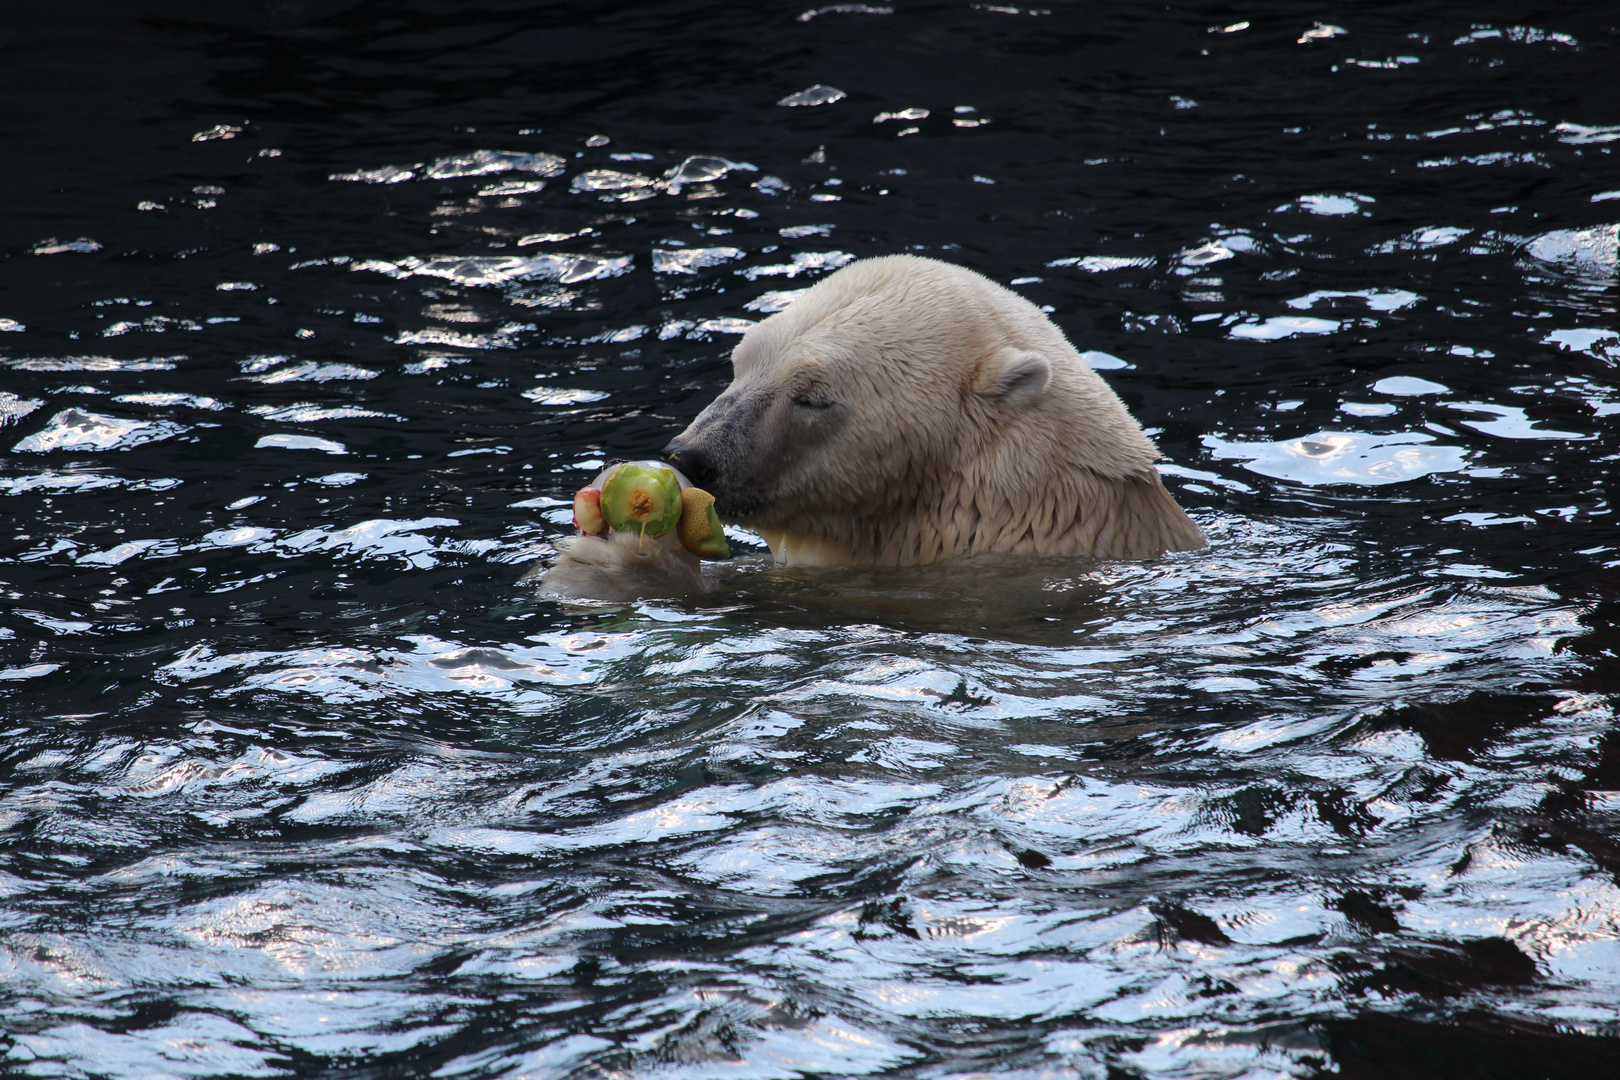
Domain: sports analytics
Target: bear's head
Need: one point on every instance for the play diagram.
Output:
(901, 390)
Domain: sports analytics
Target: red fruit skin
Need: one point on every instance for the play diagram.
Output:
(588, 512)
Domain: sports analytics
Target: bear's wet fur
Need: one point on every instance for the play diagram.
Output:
(905, 410)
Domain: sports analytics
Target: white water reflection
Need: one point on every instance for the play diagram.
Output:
(274, 369)
(309, 412)
(1335, 457)
(611, 180)
(1408, 386)
(1279, 327)
(802, 262)
(1510, 422)
(1601, 343)
(774, 300)
(1211, 251)
(691, 260)
(195, 401)
(702, 169)
(557, 395)
(57, 481)
(13, 407)
(91, 363)
(1334, 205)
(1421, 239)
(1376, 299)
(1588, 252)
(80, 431)
(476, 163)
(1367, 408)
(300, 442)
(815, 95)
(560, 267)
(485, 162)
(1098, 360)
(1102, 263)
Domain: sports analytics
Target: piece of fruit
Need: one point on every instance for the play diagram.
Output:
(699, 528)
(588, 512)
(641, 499)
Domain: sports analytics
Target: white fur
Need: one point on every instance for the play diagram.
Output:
(906, 410)
(965, 423)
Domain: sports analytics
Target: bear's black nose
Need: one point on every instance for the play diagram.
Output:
(691, 460)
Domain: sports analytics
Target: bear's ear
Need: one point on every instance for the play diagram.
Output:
(1023, 377)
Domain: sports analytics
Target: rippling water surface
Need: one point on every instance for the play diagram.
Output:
(312, 315)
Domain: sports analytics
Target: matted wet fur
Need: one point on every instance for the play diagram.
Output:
(905, 410)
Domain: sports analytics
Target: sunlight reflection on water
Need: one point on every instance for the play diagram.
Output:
(1332, 457)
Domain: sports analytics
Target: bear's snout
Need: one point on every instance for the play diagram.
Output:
(723, 452)
(691, 459)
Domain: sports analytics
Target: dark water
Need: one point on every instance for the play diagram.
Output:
(316, 312)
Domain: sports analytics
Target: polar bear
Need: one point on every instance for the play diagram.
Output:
(902, 411)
